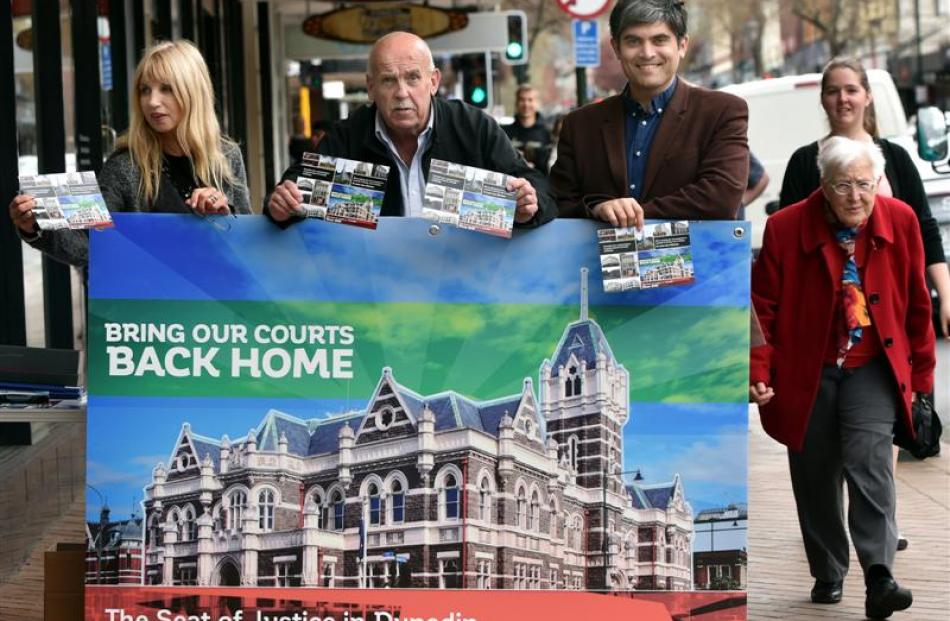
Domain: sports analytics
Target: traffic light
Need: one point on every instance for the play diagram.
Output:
(516, 50)
(476, 79)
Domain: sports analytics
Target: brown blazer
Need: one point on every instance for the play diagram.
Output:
(697, 168)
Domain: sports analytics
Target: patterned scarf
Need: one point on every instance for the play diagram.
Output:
(853, 305)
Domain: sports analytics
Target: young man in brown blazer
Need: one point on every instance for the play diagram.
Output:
(662, 149)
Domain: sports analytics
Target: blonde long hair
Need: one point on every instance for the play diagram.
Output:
(179, 64)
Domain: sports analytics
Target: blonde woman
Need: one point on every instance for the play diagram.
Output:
(173, 159)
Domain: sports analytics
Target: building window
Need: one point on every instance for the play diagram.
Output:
(483, 580)
(175, 521)
(573, 452)
(398, 503)
(282, 574)
(338, 504)
(317, 499)
(188, 576)
(534, 577)
(236, 506)
(449, 575)
(535, 524)
(451, 495)
(521, 509)
(375, 506)
(188, 526)
(572, 384)
(577, 534)
(329, 569)
(484, 500)
(155, 530)
(384, 418)
(265, 507)
(553, 584)
(553, 525)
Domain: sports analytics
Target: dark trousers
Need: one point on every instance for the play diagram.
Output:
(849, 440)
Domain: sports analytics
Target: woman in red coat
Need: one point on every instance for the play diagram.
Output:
(840, 293)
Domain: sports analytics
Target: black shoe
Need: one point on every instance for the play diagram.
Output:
(902, 543)
(826, 592)
(885, 597)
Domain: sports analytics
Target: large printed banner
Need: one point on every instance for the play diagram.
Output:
(299, 424)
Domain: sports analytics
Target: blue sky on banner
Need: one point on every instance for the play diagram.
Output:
(704, 443)
(406, 265)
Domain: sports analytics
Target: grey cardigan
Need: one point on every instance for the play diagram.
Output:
(119, 182)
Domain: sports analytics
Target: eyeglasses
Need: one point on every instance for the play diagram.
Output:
(844, 188)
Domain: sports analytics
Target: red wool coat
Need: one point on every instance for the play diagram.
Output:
(795, 283)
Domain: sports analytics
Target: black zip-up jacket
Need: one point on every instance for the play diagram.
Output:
(461, 134)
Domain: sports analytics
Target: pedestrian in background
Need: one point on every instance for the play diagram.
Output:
(528, 133)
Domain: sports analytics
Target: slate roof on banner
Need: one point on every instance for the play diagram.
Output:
(583, 338)
(651, 496)
(318, 436)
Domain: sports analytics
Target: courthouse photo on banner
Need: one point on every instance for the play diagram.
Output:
(405, 410)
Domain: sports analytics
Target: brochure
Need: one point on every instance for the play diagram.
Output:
(67, 201)
(469, 198)
(336, 189)
(659, 255)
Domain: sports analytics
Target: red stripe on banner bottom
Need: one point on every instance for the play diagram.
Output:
(287, 604)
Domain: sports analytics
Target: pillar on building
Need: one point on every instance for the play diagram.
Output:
(169, 540)
(311, 550)
(205, 548)
(251, 545)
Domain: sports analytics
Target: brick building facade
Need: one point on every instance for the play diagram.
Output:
(114, 550)
(441, 491)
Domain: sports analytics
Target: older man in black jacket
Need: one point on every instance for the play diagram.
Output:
(406, 127)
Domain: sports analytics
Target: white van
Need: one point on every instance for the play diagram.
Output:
(786, 113)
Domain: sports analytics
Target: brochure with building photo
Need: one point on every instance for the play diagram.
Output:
(659, 255)
(469, 198)
(67, 201)
(336, 189)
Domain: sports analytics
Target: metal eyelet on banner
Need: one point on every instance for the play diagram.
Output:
(434, 229)
(738, 232)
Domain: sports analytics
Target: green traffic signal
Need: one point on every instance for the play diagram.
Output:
(478, 95)
(514, 50)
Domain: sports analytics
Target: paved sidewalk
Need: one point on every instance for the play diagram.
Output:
(779, 582)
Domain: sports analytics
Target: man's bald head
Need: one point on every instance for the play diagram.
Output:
(399, 43)
(402, 79)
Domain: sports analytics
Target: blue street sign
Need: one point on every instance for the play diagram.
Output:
(105, 62)
(389, 554)
(402, 558)
(586, 43)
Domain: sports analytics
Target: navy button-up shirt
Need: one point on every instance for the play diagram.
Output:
(638, 132)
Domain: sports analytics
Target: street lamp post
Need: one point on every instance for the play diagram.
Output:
(605, 543)
(102, 501)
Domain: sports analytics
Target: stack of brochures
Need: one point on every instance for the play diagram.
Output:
(32, 377)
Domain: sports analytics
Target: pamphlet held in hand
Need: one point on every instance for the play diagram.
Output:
(469, 198)
(659, 255)
(67, 201)
(336, 189)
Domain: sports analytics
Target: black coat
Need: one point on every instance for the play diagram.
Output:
(802, 178)
(460, 133)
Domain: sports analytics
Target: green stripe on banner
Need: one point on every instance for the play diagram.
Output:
(337, 350)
